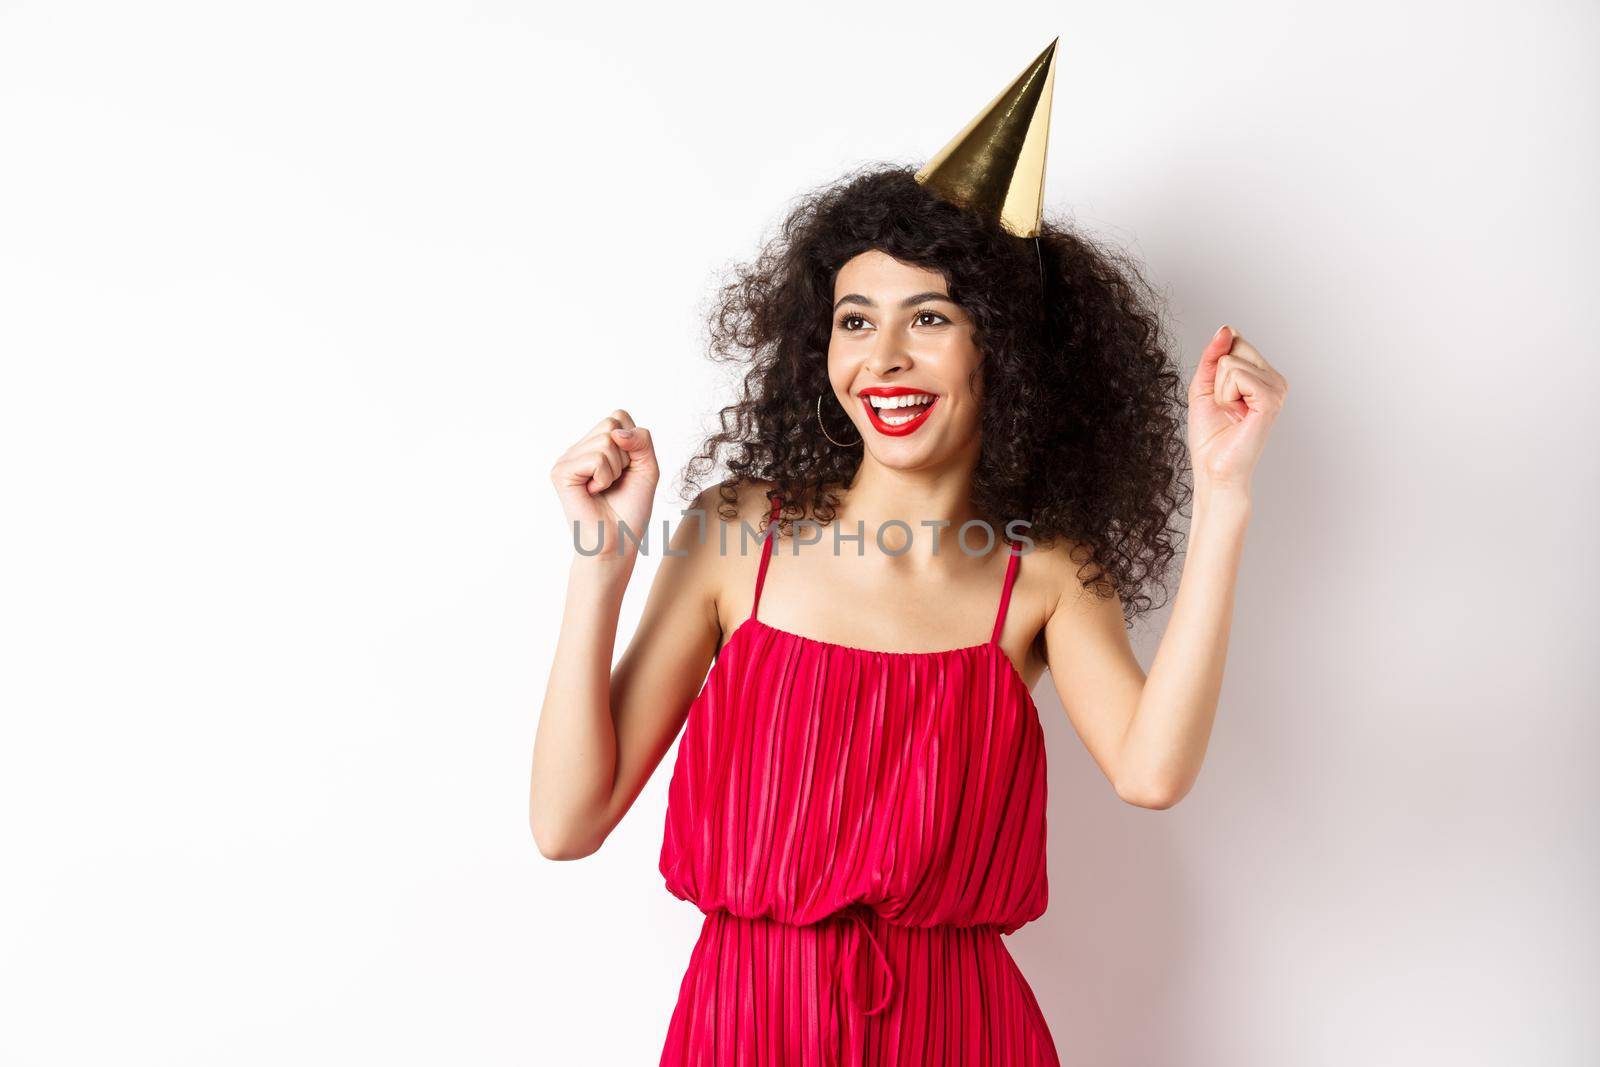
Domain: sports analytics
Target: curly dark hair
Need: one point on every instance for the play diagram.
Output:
(1082, 420)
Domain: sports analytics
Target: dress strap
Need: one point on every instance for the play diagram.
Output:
(766, 553)
(1005, 593)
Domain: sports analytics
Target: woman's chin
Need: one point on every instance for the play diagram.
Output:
(906, 453)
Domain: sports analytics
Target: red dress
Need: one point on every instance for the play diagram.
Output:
(859, 828)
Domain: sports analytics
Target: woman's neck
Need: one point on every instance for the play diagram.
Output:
(928, 502)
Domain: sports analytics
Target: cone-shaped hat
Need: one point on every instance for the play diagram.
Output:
(995, 165)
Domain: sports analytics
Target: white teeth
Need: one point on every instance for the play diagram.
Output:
(894, 420)
(906, 401)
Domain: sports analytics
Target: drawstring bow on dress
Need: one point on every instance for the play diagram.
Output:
(846, 966)
(853, 913)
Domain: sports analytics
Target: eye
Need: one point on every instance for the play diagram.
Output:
(848, 317)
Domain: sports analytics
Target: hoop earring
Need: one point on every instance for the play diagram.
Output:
(825, 433)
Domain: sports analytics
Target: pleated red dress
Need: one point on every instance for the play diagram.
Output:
(859, 828)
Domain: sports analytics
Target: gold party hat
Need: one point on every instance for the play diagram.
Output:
(995, 165)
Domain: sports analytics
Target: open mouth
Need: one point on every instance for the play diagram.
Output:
(897, 411)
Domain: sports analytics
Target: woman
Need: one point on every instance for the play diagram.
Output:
(962, 448)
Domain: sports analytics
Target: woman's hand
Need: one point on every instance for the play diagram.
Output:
(1233, 400)
(606, 479)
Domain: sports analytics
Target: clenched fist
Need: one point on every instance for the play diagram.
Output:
(608, 478)
(1234, 398)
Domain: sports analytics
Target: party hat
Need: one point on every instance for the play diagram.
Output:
(995, 166)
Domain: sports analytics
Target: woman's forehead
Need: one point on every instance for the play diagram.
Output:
(875, 272)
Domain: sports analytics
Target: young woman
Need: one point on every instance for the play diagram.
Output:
(962, 448)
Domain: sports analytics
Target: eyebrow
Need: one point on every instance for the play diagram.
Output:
(910, 301)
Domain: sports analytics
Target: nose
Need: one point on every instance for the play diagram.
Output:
(888, 357)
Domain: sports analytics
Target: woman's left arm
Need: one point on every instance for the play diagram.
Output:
(1149, 733)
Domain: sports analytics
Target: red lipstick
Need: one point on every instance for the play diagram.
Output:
(898, 428)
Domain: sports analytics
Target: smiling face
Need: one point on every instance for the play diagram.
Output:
(903, 363)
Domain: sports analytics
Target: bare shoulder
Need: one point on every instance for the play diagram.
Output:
(1056, 568)
(726, 546)
(1059, 584)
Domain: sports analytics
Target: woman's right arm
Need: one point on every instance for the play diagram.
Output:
(602, 732)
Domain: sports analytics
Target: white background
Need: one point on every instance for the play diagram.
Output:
(299, 301)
